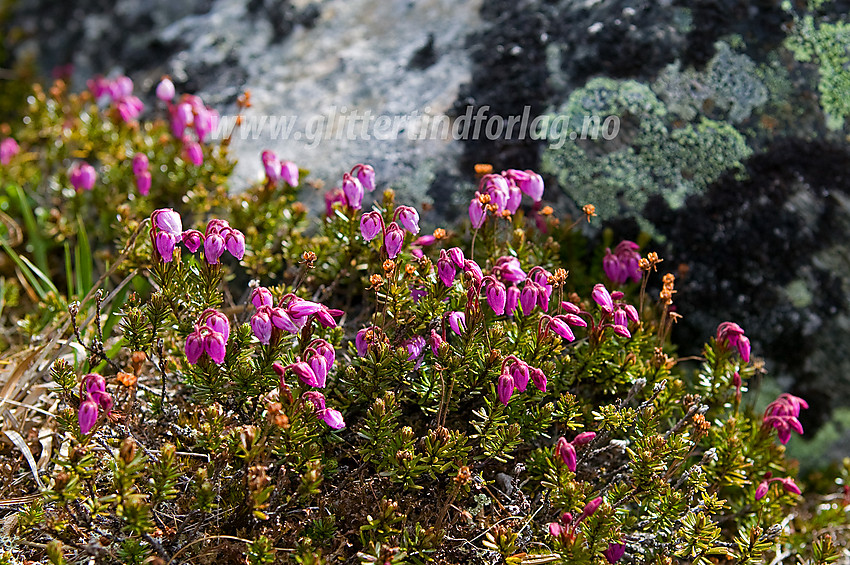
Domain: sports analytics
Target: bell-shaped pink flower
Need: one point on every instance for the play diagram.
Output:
(87, 414)
(261, 296)
(514, 199)
(511, 300)
(505, 388)
(446, 271)
(560, 327)
(366, 176)
(393, 240)
(471, 267)
(477, 212)
(234, 242)
(94, 383)
(281, 319)
(353, 191)
(762, 489)
(165, 90)
(614, 552)
(140, 163)
(8, 149)
(538, 377)
(360, 343)
(519, 372)
(497, 295)
(567, 452)
(326, 350)
(408, 217)
(319, 366)
(167, 220)
(371, 225)
(289, 173)
(82, 176)
(584, 438)
(165, 243)
(261, 325)
(333, 418)
(193, 152)
(213, 248)
(194, 347)
(143, 183)
(436, 341)
(215, 346)
(303, 371)
(455, 255)
(528, 297)
(192, 239)
(217, 322)
(602, 297)
(509, 270)
(271, 165)
(457, 322)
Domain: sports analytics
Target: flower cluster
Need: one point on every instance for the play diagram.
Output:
(515, 376)
(500, 194)
(565, 529)
(167, 231)
(355, 183)
(404, 218)
(729, 335)
(788, 485)
(277, 170)
(783, 414)
(623, 264)
(141, 170)
(290, 315)
(119, 92)
(209, 337)
(188, 112)
(93, 396)
(616, 314)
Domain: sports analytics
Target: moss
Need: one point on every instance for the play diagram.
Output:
(653, 154)
(825, 44)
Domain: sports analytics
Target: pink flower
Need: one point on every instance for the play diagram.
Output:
(261, 325)
(271, 164)
(529, 182)
(584, 438)
(509, 270)
(505, 388)
(326, 350)
(165, 243)
(217, 322)
(213, 248)
(477, 212)
(512, 300)
(331, 417)
(371, 225)
(143, 183)
(436, 341)
(393, 240)
(538, 377)
(82, 176)
(234, 242)
(615, 552)
(194, 347)
(567, 452)
(168, 220)
(446, 271)
(8, 149)
(193, 152)
(366, 175)
(730, 334)
(455, 255)
(192, 239)
(87, 414)
(409, 218)
(560, 327)
(353, 191)
(289, 173)
(496, 296)
(623, 263)
(215, 346)
(281, 319)
(261, 296)
(528, 297)
(520, 373)
(165, 90)
(783, 414)
(319, 366)
(304, 372)
(457, 322)
(470, 266)
(333, 197)
(602, 297)
(129, 108)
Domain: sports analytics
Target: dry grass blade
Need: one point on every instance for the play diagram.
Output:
(18, 440)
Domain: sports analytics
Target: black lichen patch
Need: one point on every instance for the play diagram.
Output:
(743, 242)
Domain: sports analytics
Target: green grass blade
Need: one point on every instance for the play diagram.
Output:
(69, 270)
(28, 274)
(33, 233)
(85, 265)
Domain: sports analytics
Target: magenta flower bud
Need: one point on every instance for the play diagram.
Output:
(82, 176)
(425, 240)
(497, 189)
(281, 319)
(567, 453)
(327, 351)
(790, 486)
(631, 313)
(140, 163)
(103, 399)
(353, 191)
(87, 414)
(193, 152)
(436, 341)
(556, 530)
(319, 366)
(408, 218)
(520, 374)
(584, 438)
(543, 294)
(743, 347)
(325, 317)
(261, 325)
(121, 87)
(333, 418)
(300, 308)
(303, 371)
(497, 295)
(510, 270)
(261, 296)
(514, 199)
(181, 116)
(573, 320)
(129, 108)
(192, 239)
(194, 347)
(762, 489)
(614, 552)
(528, 297)
(165, 243)
(591, 507)
(213, 248)
(371, 224)
(143, 183)
(8, 149)
(235, 243)
(511, 301)
(271, 164)
(602, 297)
(622, 331)
(204, 122)
(215, 346)
(561, 328)
(167, 220)
(457, 322)
(165, 90)
(317, 399)
(539, 379)
(331, 198)
(360, 343)
(571, 308)
(455, 255)
(617, 295)
(218, 322)
(446, 271)
(477, 212)
(289, 173)
(366, 176)
(505, 388)
(393, 240)
(612, 269)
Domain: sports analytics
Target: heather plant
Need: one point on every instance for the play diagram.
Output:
(219, 381)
